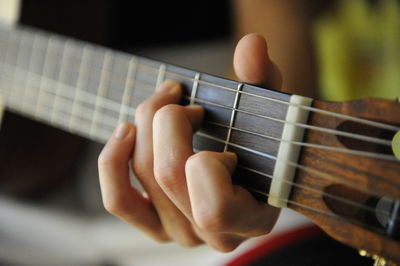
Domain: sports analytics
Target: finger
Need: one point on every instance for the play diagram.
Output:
(253, 65)
(227, 208)
(174, 126)
(168, 93)
(174, 222)
(119, 197)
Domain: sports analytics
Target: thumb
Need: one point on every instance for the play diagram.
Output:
(253, 65)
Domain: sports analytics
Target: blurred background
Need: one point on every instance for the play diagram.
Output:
(50, 204)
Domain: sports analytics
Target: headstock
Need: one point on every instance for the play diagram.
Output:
(351, 189)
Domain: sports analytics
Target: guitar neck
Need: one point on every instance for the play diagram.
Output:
(88, 90)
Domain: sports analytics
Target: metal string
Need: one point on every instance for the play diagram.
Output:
(94, 49)
(116, 107)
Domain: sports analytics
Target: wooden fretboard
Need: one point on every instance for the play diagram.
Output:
(88, 90)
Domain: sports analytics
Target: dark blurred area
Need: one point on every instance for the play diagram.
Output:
(122, 24)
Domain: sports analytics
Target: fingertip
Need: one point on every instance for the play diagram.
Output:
(195, 115)
(124, 130)
(251, 60)
(229, 159)
(170, 86)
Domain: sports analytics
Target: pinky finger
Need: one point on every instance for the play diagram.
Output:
(119, 197)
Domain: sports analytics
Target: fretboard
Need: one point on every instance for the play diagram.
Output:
(88, 90)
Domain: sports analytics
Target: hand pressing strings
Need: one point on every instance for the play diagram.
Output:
(190, 198)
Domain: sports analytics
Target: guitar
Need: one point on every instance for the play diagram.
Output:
(337, 163)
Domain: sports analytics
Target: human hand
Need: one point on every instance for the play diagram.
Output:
(189, 198)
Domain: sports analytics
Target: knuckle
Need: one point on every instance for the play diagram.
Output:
(188, 242)
(168, 111)
(225, 243)
(214, 219)
(145, 109)
(142, 168)
(115, 205)
(165, 174)
(107, 159)
(198, 161)
(161, 240)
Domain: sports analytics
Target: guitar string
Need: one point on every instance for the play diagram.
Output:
(309, 108)
(328, 130)
(305, 144)
(367, 208)
(323, 212)
(94, 49)
(117, 107)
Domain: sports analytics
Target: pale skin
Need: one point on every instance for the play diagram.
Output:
(189, 198)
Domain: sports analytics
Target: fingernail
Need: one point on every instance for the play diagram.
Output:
(194, 106)
(169, 86)
(122, 131)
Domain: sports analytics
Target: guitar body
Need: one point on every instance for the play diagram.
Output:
(360, 180)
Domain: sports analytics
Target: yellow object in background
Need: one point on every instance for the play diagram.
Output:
(359, 50)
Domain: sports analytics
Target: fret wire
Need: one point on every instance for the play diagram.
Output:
(102, 90)
(29, 80)
(193, 93)
(61, 77)
(129, 85)
(30, 42)
(233, 115)
(12, 42)
(45, 63)
(14, 92)
(79, 85)
(161, 75)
